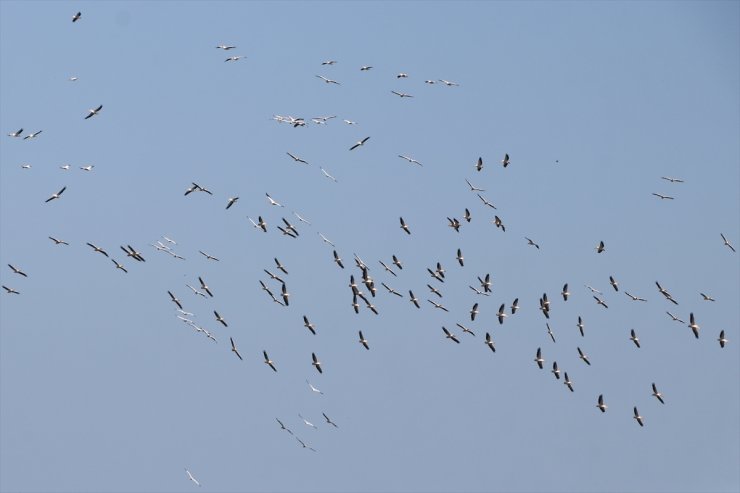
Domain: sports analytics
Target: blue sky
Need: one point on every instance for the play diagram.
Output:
(103, 388)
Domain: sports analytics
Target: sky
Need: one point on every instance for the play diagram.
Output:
(104, 389)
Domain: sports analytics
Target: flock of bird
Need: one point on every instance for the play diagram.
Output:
(363, 291)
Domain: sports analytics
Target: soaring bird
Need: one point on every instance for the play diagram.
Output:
(17, 271)
(32, 135)
(329, 421)
(672, 180)
(219, 318)
(56, 195)
(637, 417)
(57, 241)
(225, 47)
(465, 329)
(530, 242)
(722, 340)
(410, 159)
(413, 299)
(119, 266)
(359, 143)
(296, 158)
(727, 243)
(675, 318)
(661, 196)
(600, 247)
(634, 338)
(175, 300)
(580, 325)
(204, 287)
(474, 312)
(17, 133)
(634, 298)
(567, 381)
(549, 332)
(501, 315)
(402, 94)
(283, 427)
(602, 407)
(363, 341)
(460, 258)
(499, 224)
(438, 305)
(272, 201)
(10, 290)
(314, 389)
(316, 363)
(665, 293)
(328, 81)
(514, 306)
(232, 201)
(234, 58)
(657, 395)
(505, 161)
(190, 476)
(707, 297)
(539, 359)
(489, 342)
(97, 249)
(565, 292)
(404, 226)
(693, 325)
(309, 325)
(93, 111)
(472, 187)
(338, 260)
(555, 370)
(268, 361)
(599, 301)
(234, 350)
(478, 166)
(449, 335)
(614, 283)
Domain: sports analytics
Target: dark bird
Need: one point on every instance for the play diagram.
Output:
(338, 260)
(268, 361)
(614, 283)
(637, 417)
(600, 247)
(234, 350)
(93, 111)
(175, 300)
(722, 340)
(583, 356)
(505, 161)
(602, 407)
(539, 359)
(657, 395)
(17, 271)
(316, 363)
(10, 290)
(309, 325)
(489, 342)
(232, 201)
(404, 226)
(76, 17)
(359, 143)
(219, 318)
(363, 341)
(56, 195)
(693, 325)
(634, 338)
(727, 243)
(204, 287)
(97, 249)
(448, 335)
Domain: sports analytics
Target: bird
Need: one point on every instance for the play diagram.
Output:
(72, 79)
(97, 249)
(485, 283)
(234, 58)
(489, 342)
(391, 290)
(283, 427)
(460, 258)
(219, 318)
(634, 338)
(17, 133)
(234, 350)
(555, 370)
(473, 312)
(260, 224)
(722, 340)
(190, 476)
(549, 332)
(727, 243)
(434, 290)
(326, 174)
(430, 81)
(672, 180)
(707, 297)
(326, 240)
(448, 83)
(661, 196)
(593, 290)
(614, 283)
(486, 202)
(329, 421)
(359, 143)
(268, 361)
(665, 293)
(232, 201)
(600, 247)
(539, 359)
(657, 394)
(450, 336)
(89, 167)
(580, 325)
(130, 252)
(204, 287)
(413, 299)
(56, 195)
(338, 260)
(309, 325)
(196, 291)
(93, 111)
(634, 298)
(514, 306)
(600, 404)
(366, 67)
(296, 158)
(307, 422)
(316, 363)
(402, 94)
(328, 81)
(410, 159)
(564, 293)
(402, 75)
(175, 300)
(454, 224)
(32, 135)
(505, 161)
(25, 166)
(397, 262)
(119, 266)
(65, 167)
(567, 381)
(501, 313)
(530, 242)
(363, 341)
(675, 318)
(209, 257)
(404, 226)
(58, 241)
(637, 417)
(499, 224)
(438, 305)
(280, 266)
(314, 389)
(467, 215)
(226, 47)
(17, 271)
(272, 201)
(10, 290)
(472, 187)
(285, 294)
(583, 356)
(599, 301)
(693, 325)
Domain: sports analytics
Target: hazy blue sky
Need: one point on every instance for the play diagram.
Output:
(104, 389)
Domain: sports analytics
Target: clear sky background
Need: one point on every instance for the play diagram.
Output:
(103, 388)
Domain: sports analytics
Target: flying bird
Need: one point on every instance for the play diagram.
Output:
(56, 195)
(57, 241)
(359, 143)
(555, 370)
(326, 240)
(501, 315)
(17, 271)
(232, 201)
(672, 180)
(600, 247)
(706, 297)
(326, 174)
(634, 298)
(33, 135)
(637, 417)
(530, 242)
(722, 340)
(225, 47)
(234, 350)
(675, 318)
(404, 226)
(190, 476)
(93, 111)
(514, 306)
(329, 421)
(309, 325)
(489, 342)
(657, 394)
(438, 305)
(283, 427)
(273, 202)
(565, 292)
(583, 356)
(450, 336)
(316, 363)
(472, 187)
(413, 299)
(314, 389)
(119, 266)
(599, 301)
(269, 362)
(549, 332)
(727, 243)
(567, 382)
(296, 158)
(402, 94)
(634, 338)
(17, 133)
(693, 325)
(661, 196)
(580, 325)
(209, 257)
(338, 260)
(460, 258)
(505, 161)
(10, 290)
(219, 318)
(175, 300)
(204, 287)
(473, 312)
(97, 249)
(486, 202)
(234, 58)
(539, 359)
(602, 407)
(328, 81)
(410, 159)
(363, 341)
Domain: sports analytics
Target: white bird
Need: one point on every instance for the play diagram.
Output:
(410, 159)
(316, 363)
(57, 241)
(33, 135)
(359, 143)
(637, 416)
(349, 122)
(234, 58)
(448, 83)
(489, 342)
(465, 329)
(567, 382)
(450, 336)
(580, 325)
(634, 338)
(473, 188)
(327, 174)
(72, 79)
(326, 240)
(722, 340)
(564, 293)
(693, 325)
(301, 219)
(93, 111)
(366, 67)
(402, 94)
(329, 62)
(56, 195)
(89, 167)
(296, 158)
(505, 161)
(672, 180)
(232, 201)
(582, 356)
(17, 133)
(65, 167)
(25, 166)
(539, 359)
(727, 243)
(486, 202)
(501, 315)
(675, 318)
(328, 81)
(314, 389)
(707, 297)
(634, 298)
(602, 407)
(226, 47)
(600, 247)
(657, 395)
(363, 341)
(402, 75)
(190, 476)
(273, 202)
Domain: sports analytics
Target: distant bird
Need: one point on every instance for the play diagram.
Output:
(280, 266)
(489, 342)
(363, 341)
(225, 47)
(707, 297)
(17, 271)
(413, 299)
(499, 224)
(33, 135)
(549, 332)
(316, 363)
(204, 287)
(328, 81)
(675, 318)
(404, 226)
(75, 18)
(454, 224)
(567, 381)
(665, 293)
(57, 241)
(359, 143)
(430, 81)
(634, 338)
(119, 266)
(314, 389)
(438, 305)
(234, 58)
(338, 260)
(661, 196)
(329, 421)
(402, 94)
(220, 319)
(505, 161)
(89, 167)
(539, 359)
(599, 301)
(460, 258)
(283, 427)
(465, 329)
(657, 394)
(637, 417)
(97, 249)
(366, 67)
(190, 476)
(304, 445)
(485, 283)
(397, 262)
(10, 290)
(268, 361)
(473, 312)
(65, 167)
(93, 111)
(722, 340)
(555, 370)
(593, 290)
(478, 166)
(296, 158)
(17, 133)
(530, 242)
(306, 422)
(272, 201)
(514, 306)
(602, 407)
(450, 336)
(501, 315)
(130, 252)
(564, 293)
(326, 240)
(448, 83)
(326, 174)
(600, 247)
(467, 215)
(583, 356)
(410, 159)
(402, 75)
(209, 257)
(693, 325)
(234, 350)
(56, 195)
(580, 325)
(672, 180)
(25, 166)
(727, 243)
(634, 298)
(486, 202)
(391, 290)
(285, 294)
(472, 187)
(175, 300)
(72, 79)
(232, 201)
(434, 290)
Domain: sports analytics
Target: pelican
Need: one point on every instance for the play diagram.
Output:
(57, 241)
(672, 180)
(530, 242)
(637, 417)
(225, 47)
(273, 202)
(474, 312)
(234, 350)
(306, 422)
(460, 258)
(727, 243)
(448, 335)
(486, 202)
(195, 291)
(363, 341)
(17, 133)
(567, 382)
(514, 306)
(65, 167)
(565, 292)
(326, 240)
(662, 197)
(234, 58)
(404, 226)
(413, 299)
(56, 195)
(634, 298)
(549, 332)
(707, 297)
(448, 83)
(665, 293)
(600, 247)
(316, 363)
(329, 421)
(190, 476)
(338, 260)
(209, 257)
(175, 300)
(219, 318)
(465, 329)
(438, 305)
(402, 75)
(309, 325)
(593, 289)
(539, 359)
(602, 407)
(486, 283)
(555, 370)
(17, 271)
(304, 444)
(328, 81)
(75, 18)
(501, 313)
(296, 158)
(454, 224)
(634, 338)
(388, 269)
(119, 266)
(402, 94)
(10, 290)
(614, 283)
(97, 249)
(285, 294)
(657, 395)
(33, 135)
(410, 159)
(314, 389)
(93, 111)
(489, 342)
(434, 290)
(467, 215)
(397, 262)
(232, 201)
(204, 287)
(499, 224)
(326, 174)
(268, 361)
(693, 325)
(599, 301)
(675, 318)
(473, 188)
(505, 161)
(283, 427)
(391, 290)
(89, 167)
(583, 356)
(366, 67)
(580, 325)
(359, 143)
(722, 340)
